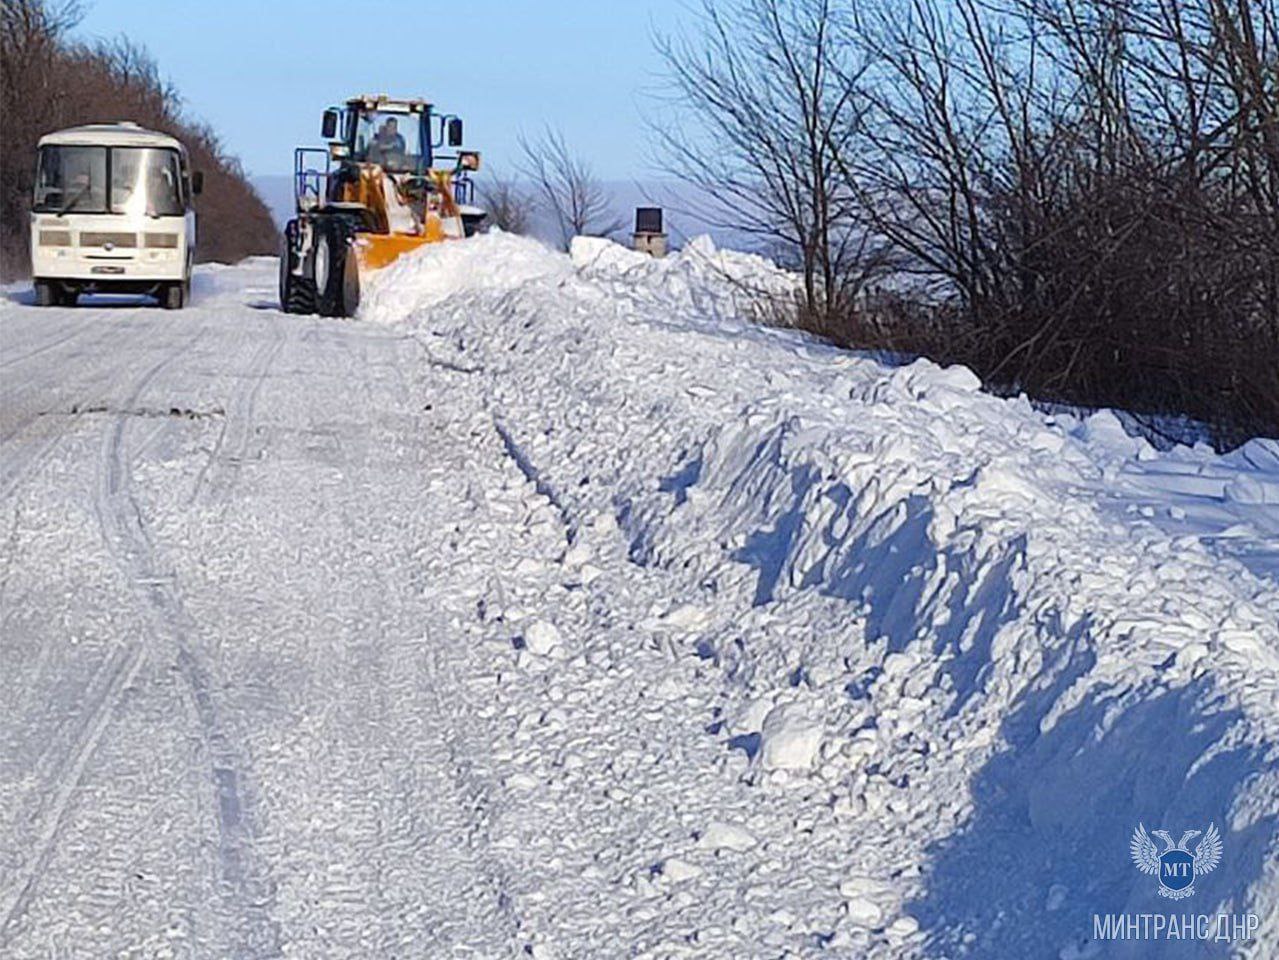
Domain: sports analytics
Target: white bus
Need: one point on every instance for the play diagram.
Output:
(112, 214)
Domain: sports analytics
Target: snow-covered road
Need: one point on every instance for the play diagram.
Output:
(553, 609)
(224, 733)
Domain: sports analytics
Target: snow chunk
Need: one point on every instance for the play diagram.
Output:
(1252, 490)
(726, 836)
(687, 616)
(600, 252)
(542, 638)
(677, 870)
(789, 738)
(862, 912)
(903, 927)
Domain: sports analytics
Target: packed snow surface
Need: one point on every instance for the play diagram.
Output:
(557, 608)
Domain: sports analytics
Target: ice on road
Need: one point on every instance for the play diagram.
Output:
(554, 608)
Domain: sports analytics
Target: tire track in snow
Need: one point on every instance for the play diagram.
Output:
(18, 464)
(6, 362)
(469, 811)
(18, 467)
(244, 889)
(476, 803)
(385, 858)
(111, 680)
(215, 482)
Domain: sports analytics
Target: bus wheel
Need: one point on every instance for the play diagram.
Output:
(172, 297)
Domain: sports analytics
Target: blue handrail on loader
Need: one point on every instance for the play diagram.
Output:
(310, 183)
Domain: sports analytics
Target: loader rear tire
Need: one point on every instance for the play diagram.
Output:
(337, 271)
(297, 294)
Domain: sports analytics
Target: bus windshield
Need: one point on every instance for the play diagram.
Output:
(145, 180)
(127, 180)
(71, 179)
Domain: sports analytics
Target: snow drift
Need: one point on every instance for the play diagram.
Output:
(951, 649)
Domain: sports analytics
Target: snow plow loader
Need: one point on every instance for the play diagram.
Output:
(379, 189)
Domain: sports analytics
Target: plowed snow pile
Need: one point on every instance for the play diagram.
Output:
(830, 656)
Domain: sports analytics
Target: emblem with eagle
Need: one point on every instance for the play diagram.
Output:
(1176, 867)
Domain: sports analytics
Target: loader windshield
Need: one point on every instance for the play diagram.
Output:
(391, 140)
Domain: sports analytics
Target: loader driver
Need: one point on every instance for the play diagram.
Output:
(387, 143)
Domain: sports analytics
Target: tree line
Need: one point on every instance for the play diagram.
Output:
(1077, 198)
(48, 82)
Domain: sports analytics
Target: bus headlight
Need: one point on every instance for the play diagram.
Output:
(160, 241)
(55, 238)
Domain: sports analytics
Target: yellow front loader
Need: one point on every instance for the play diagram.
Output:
(381, 188)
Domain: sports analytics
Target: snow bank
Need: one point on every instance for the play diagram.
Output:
(494, 263)
(964, 646)
(698, 281)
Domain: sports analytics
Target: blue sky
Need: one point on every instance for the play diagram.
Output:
(262, 72)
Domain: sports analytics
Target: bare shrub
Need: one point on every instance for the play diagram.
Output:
(507, 203)
(567, 190)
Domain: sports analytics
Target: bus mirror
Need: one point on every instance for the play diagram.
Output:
(468, 160)
(197, 182)
(455, 132)
(329, 128)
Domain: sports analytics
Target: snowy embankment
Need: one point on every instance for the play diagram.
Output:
(877, 663)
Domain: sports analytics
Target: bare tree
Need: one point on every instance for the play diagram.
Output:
(1077, 198)
(759, 105)
(567, 189)
(507, 203)
(31, 36)
(1087, 186)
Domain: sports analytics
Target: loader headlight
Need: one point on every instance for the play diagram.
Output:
(55, 238)
(160, 241)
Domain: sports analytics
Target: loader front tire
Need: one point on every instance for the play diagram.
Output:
(297, 293)
(337, 271)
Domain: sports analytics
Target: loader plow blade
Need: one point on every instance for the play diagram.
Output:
(376, 251)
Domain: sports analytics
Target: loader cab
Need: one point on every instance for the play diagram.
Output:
(394, 141)
(401, 136)
(394, 134)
